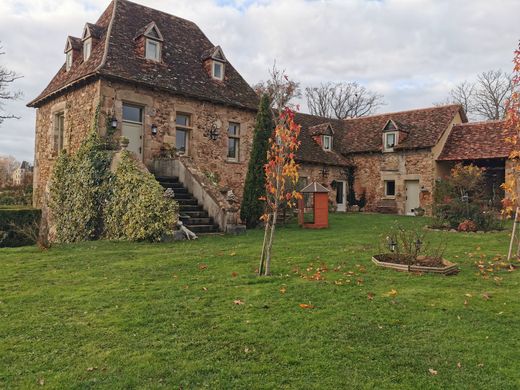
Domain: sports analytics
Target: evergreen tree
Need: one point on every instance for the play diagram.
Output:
(252, 207)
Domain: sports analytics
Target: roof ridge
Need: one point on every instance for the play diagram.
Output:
(107, 37)
(481, 122)
(157, 10)
(405, 111)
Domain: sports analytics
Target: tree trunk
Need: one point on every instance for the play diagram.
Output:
(264, 245)
(270, 244)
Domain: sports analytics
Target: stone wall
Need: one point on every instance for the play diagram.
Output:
(312, 172)
(372, 169)
(79, 108)
(160, 109)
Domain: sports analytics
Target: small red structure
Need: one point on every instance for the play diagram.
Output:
(313, 208)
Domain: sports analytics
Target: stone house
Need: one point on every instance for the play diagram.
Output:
(23, 175)
(158, 81)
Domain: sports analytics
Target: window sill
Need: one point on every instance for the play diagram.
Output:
(386, 197)
(232, 161)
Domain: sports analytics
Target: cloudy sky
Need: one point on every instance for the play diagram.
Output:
(411, 51)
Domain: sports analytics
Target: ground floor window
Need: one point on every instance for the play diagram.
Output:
(233, 141)
(389, 188)
(59, 130)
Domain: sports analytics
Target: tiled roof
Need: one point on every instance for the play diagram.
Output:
(181, 71)
(478, 140)
(310, 150)
(423, 128)
(314, 187)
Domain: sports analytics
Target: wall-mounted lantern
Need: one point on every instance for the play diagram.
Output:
(154, 129)
(113, 122)
(324, 172)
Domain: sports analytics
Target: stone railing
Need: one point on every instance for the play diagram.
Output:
(224, 211)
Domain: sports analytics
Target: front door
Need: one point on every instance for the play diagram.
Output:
(133, 128)
(341, 199)
(412, 196)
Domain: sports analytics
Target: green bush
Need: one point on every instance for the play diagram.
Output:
(137, 209)
(12, 223)
(16, 196)
(78, 191)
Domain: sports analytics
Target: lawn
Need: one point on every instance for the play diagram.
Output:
(194, 315)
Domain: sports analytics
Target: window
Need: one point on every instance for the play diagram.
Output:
(218, 70)
(59, 130)
(132, 113)
(153, 50)
(390, 188)
(182, 129)
(87, 48)
(233, 141)
(390, 140)
(68, 62)
(327, 142)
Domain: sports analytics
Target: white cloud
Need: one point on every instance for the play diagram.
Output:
(413, 52)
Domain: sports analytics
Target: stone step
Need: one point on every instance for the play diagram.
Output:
(189, 207)
(197, 221)
(161, 179)
(186, 202)
(203, 228)
(193, 214)
(174, 186)
(182, 196)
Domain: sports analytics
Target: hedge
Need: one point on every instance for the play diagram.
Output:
(19, 217)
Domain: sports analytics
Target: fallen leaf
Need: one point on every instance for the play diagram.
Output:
(205, 288)
(432, 371)
(370, 296)
(459, 365)
(233, 254)
(480, 365)
(359, 282)
(468, 295)
(41, 381)
(234, 274)
(202, 267)
(306, 306)
(91, 368)
(238, 302)
(283, 290)
(486, 296)
(391, 293)
(465, 302)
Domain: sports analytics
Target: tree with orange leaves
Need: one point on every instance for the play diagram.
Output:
(281, 176)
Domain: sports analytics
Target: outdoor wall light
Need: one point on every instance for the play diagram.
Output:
(113, 122)
(154, 129)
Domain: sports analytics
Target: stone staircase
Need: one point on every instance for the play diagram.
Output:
(192, 215)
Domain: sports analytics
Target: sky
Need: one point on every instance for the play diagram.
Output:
(411, 51)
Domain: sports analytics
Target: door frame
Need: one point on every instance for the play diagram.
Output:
(342, 207)
(123, 121)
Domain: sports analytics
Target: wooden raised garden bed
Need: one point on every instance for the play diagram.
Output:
(443, 267)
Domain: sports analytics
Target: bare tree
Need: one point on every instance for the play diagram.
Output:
(280, 89)
(7, 77)
(342, 100)
(486, 98)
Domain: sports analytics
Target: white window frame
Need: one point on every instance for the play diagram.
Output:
(158, 53)
(387, 148)
(87, 48)
(329, 147)
(215, 63)
(386, 189)
(68, 60)
(235, 137)
(185, 128)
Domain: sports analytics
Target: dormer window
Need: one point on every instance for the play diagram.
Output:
(389, 141)
(327, 143)
(217, 70)
(68, 60)
(153, 50)
(87, 48)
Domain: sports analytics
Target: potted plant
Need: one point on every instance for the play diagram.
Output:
(419, 211)
(123, 142)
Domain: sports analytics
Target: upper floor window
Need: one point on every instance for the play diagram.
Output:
(217, 71)
(87, 48)
(68, 60)
(327, 142)
(153, 50)
(59, 131)
(389, 141)
(182, 130)
(233, 141)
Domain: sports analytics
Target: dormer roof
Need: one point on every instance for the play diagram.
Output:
(215, 53)
(92, 31)
(390, 126)
(321, 129)
(72, 43)
(150, 31)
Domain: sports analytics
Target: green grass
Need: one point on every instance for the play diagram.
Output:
(135, 315)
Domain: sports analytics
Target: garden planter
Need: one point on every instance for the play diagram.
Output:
(445, 268)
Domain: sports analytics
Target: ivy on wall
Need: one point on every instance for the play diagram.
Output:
(137, 208)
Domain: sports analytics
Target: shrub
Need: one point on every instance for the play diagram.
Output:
(78, 191)
(137, 208)
(13, 222)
